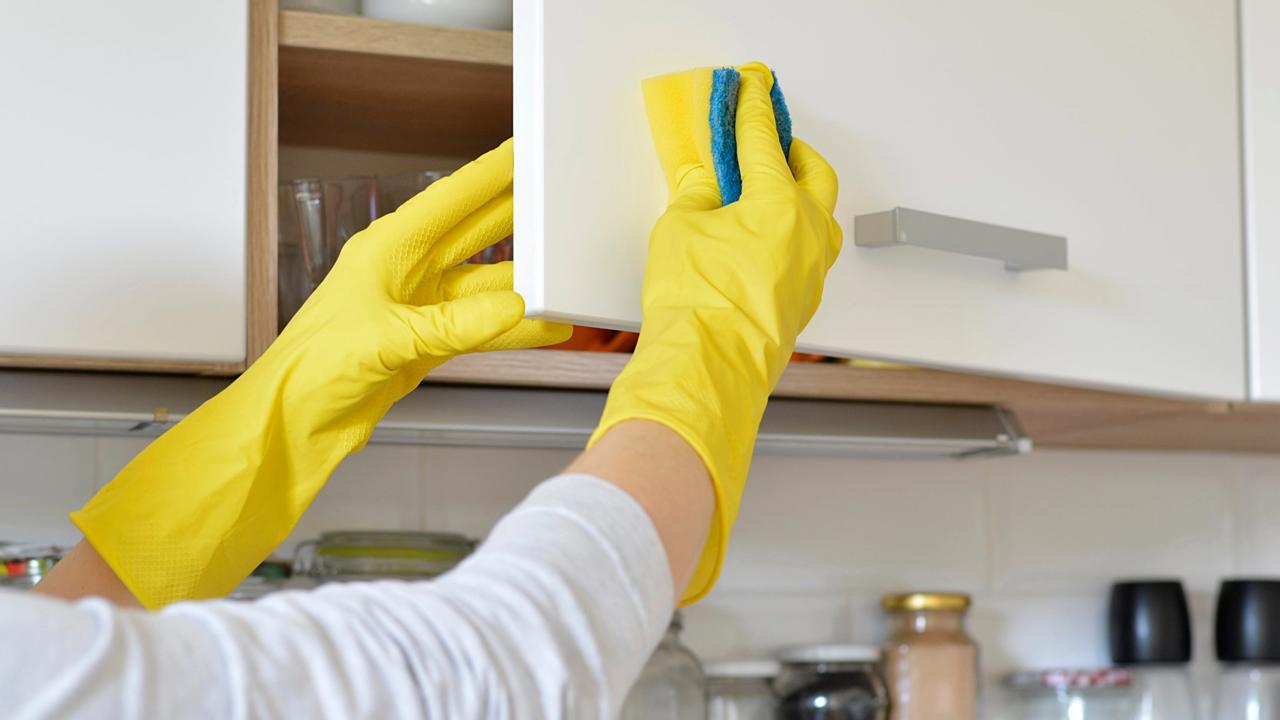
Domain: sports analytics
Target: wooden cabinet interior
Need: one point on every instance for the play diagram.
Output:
(376, 85)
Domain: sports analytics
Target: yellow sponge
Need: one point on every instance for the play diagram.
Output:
(692, 116)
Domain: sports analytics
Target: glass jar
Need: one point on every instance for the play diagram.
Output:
(271, 576)
(1246, 637)
(1247, 691)
(930, 662)
(364, 554)
(831, 682)
(672, 685)
(1102, 694)
(22, 566)
(742, 690)
(1164, 692)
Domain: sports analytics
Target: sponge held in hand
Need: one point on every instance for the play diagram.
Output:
(693, 116)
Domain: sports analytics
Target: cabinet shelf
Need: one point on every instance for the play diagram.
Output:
(368, 84)
(1052, 415)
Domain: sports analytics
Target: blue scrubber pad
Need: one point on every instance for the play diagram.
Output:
(724, 139)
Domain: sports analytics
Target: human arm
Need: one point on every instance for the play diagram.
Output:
(551, 618)
(204, 503)
(83, 573)
(666, 477)
(727, 289)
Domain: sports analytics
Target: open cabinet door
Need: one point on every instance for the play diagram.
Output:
(1113, 123)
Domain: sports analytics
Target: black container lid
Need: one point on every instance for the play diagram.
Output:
(1247, 624)
(1149, 623)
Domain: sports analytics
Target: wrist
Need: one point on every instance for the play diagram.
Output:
(709, 384)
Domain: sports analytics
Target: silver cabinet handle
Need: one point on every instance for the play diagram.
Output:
(1019, 249)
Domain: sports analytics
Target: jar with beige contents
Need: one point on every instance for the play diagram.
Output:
(930, 662)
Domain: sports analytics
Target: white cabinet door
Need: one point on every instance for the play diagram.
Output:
(1112, 122)
(1260, 35)
(122, 179)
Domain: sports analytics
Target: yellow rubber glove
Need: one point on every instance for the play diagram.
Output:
(726, 291)
(199, 508)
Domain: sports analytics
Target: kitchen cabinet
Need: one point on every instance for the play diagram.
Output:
(1114, 124)
(365, 84)
(352, 83)
(1260, 85)
(127, 238)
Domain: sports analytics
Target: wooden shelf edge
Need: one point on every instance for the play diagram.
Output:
(344, 33)
(564, 369)
(184, 367)
(595, 371)
(1053, 416)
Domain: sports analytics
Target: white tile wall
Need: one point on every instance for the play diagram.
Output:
(1036, 539)
(1255, 514)
(813, 524)
(42, 478)
(378, 489)
(1076, 525)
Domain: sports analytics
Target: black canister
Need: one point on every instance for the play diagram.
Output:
(1247, 640)
(1149, 623)
(1247, 622)
(1150, 633)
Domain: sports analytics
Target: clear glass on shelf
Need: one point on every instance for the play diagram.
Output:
(329, 212)
(316, 218)
(293, 282)
(672, 685)
(394, 190)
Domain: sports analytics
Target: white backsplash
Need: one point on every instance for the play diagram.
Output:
(1037, 539)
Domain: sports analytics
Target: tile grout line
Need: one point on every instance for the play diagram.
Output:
(420, 488)
(1232, 499)
(988, 531)
(98, 479)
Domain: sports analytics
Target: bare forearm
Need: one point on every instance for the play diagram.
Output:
(657, 467)
(83, 573)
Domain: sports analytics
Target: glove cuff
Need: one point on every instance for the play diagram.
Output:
(711, 392)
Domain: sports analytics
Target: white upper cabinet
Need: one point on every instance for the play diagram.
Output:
(1260, 52)
(122, 193)
(1113, 123)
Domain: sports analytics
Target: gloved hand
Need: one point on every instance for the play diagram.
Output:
(199, 508)
(726, 291)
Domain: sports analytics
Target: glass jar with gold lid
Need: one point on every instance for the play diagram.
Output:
(930, 662)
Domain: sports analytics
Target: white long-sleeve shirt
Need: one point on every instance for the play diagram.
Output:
(553, 617)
